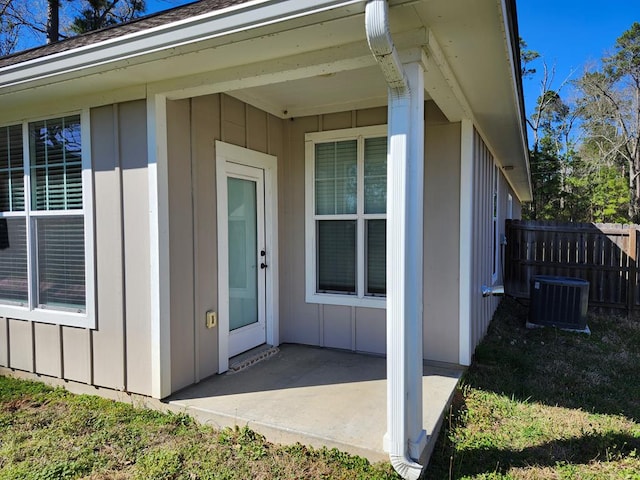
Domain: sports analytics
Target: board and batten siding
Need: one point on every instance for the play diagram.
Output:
(349, 328)
(359, 328)
(116, 354)
(483, 308)
(193, 126)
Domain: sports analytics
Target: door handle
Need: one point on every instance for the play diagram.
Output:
(263, 265)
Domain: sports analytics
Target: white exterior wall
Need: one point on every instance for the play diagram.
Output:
(193, 126)
(117, 355)
(364, 329)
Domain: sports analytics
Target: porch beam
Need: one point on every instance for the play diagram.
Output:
(351, 56)
(442, 85)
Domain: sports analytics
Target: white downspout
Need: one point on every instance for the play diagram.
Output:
(405, 439)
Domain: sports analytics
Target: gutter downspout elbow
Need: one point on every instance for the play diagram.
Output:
(376, 17)
(406, 468)
(384, 51)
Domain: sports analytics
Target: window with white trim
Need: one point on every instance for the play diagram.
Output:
(346, 212)
(45, 256)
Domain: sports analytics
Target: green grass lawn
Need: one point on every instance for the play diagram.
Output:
(536, 404)
(546, 404)
(48, 434)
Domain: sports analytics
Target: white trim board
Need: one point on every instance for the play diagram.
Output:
(159, 254)
(466, 234)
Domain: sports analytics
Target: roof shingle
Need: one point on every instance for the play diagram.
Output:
(154, 20)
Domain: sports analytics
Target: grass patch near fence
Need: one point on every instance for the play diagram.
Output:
(50, 434)
(546, 404)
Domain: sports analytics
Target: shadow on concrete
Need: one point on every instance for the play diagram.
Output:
(298, 366)
(315, 396)
(294, 366)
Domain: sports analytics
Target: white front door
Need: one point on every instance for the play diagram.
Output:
(246, 258)
(247, 255)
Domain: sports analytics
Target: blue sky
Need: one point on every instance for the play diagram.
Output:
(157, 5)
(571, 34)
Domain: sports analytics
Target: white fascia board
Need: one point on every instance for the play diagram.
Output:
(226, 21)
(513, 62)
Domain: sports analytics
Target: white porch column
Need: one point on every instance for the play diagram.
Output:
(405, 169)
(414, 237)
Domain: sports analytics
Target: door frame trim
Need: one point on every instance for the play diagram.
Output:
(227, 153)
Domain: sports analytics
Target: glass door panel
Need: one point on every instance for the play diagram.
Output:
(243, 248)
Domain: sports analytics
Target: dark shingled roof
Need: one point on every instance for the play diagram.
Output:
(150, 21)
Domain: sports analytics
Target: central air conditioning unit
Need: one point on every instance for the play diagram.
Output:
(559, 301)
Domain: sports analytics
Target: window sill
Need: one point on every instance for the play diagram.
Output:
(54, 317)
(347, 300)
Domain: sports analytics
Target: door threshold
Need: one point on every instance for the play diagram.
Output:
(251, 357)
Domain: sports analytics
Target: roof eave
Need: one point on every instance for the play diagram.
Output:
(513, 45)
(128, 48)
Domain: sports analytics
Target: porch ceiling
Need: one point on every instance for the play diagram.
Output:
(330, 92)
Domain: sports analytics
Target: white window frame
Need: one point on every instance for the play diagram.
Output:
(31, 311)
(312, 296)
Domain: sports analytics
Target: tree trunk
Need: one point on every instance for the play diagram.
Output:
(53, 21)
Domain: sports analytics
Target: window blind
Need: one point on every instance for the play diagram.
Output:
(376, 257)
(375, 175)
(336, 178)
(61, 265)
(56, 164)
(13, 262)
(337, 256)
(375, 202)
(11, 169)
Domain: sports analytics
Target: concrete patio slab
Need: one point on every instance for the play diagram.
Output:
(314, 396)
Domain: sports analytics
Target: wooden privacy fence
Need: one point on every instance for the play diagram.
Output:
(606, 255)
